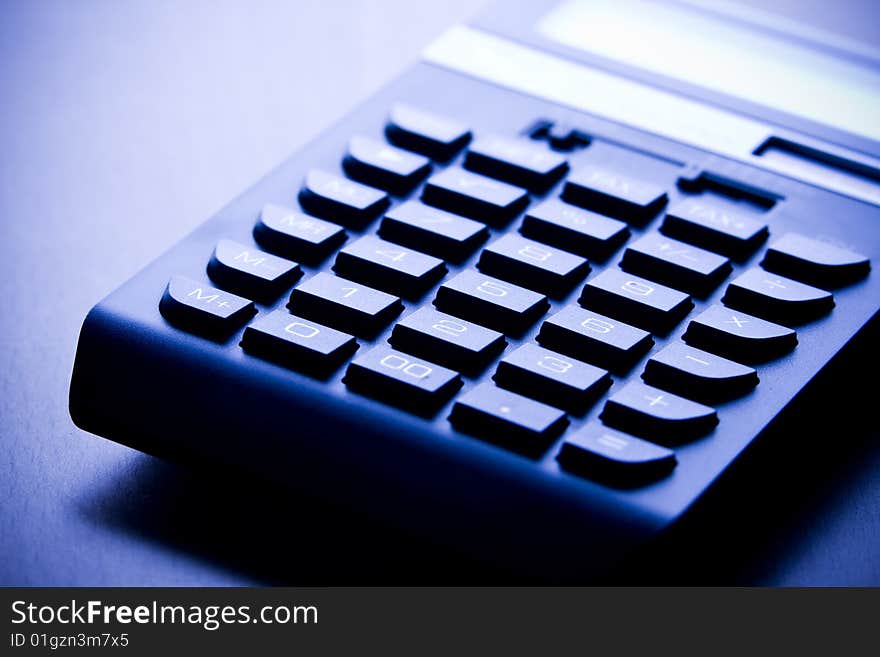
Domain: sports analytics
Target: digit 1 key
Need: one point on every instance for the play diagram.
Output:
(698, 375)
(202, 309)
(552, 378)
(815, 262)
(506, 418)
(614, 194)
(341, 200)
(777, 298)
(652, 413)
(402, 380)
(636, 300)
(741, 337)
(347, 305)
(251, 272)
(298, 343)
(491, 302)
(448, 340)
(613, 457)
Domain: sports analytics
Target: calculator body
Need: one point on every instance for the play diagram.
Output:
(148, 384)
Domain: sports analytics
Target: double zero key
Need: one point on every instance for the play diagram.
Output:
(636, 300)
(402, 380)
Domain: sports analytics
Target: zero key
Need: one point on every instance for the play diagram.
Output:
(814, 262)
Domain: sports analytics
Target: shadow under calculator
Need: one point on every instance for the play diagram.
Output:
(746, 531)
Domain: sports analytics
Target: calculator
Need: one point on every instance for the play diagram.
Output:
(531, 299)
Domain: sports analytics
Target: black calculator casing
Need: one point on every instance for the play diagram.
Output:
(144, 383)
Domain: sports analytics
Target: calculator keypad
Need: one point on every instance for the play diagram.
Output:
(496, 284)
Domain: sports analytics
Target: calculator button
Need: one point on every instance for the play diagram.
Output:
(438, 137)
(607, 455)
(298, 343)
(295, 235)
(491, 302)
(504, 417)
(341, 200)
(698, 375)
(635, 300)
(491, 201)
(730, 233)
(533, 265)
(200, 308)
(656, 414)
(552, 378)
(347, 305)
(442, 234)
(676, 264)
(579, 231)
(815, 262)
(448, 340)
(516, 161)
(251, 272)
(402, 380)
(594, 338)
(614, 194)
(739, 336)
(389, 267)
(777, 298)
(377, 164)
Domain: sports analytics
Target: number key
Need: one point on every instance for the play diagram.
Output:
(356, 308)
(389, 267)
(635, 300)
(491, 302)
(552, 378)
(458, 344)
(402, 380)
(533, 265)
